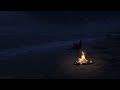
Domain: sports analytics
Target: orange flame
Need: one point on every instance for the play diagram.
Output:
(82, 59)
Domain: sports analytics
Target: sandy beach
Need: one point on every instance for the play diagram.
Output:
(54, 62)
(58, 64)
(37, 45)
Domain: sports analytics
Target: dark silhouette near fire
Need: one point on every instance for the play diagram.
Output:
(77, 45)
(80, 44)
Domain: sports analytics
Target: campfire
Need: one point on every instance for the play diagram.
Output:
(83, 60)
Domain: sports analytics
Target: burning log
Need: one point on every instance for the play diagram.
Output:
(76, 63)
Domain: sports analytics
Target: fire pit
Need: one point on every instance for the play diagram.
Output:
(83, 61)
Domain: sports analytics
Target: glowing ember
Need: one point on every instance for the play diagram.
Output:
(91, 62)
